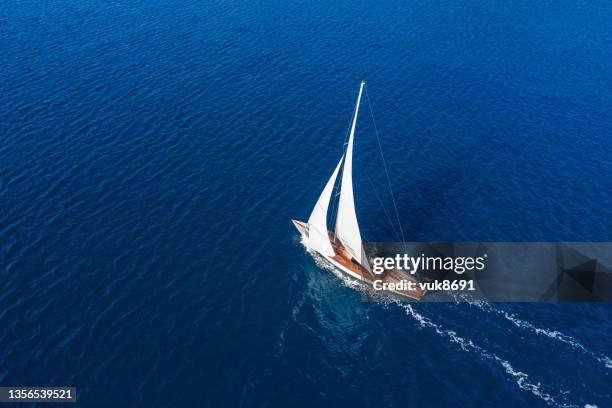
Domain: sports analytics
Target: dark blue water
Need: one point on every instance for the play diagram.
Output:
(152, 155)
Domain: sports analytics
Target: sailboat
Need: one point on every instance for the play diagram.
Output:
(343, 247)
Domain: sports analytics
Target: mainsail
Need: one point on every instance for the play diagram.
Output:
(347, 228)
(317, 237)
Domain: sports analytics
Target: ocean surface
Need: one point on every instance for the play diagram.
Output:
(152, 154)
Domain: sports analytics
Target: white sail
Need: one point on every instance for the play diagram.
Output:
(347, 228)
(317, 237)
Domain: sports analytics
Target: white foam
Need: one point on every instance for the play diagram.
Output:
(521, 378)
(467, 345)
(553, 334)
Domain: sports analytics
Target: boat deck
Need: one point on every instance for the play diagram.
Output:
(343, 258)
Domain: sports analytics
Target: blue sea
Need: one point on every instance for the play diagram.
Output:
(152, 154)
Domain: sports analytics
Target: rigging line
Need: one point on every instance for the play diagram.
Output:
(383, 207)
(385, 166)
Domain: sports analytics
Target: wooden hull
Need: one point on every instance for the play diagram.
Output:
(343, 262)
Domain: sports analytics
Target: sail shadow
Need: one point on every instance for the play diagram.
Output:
(421, 203)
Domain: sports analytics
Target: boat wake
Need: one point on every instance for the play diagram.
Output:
(522, 379)
(552, 334)
(467, 345)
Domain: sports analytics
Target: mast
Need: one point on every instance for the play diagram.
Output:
(347, 228)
